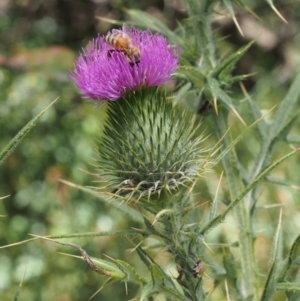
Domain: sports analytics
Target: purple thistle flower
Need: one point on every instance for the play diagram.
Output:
(104, 72)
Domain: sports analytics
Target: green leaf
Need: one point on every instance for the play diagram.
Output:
(221, 217)
(226, 66)
(270, 2)
(277, 181)
(277, 245)
(21, 134)
(214, 205)
(98, 234)
(293, 138)
(287, 286)
(282, 134)
(292, 256)
(161, 282)
(110, 267)
(229, 6)
(275, 261)
(218, 93)
(262, 127)
(233, 79)
(144, 257)
(130, 272)
(102, 267)
(194, 75)
(287, 108)
(159, 277)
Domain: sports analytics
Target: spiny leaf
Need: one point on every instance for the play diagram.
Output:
(276, 11)
(98, 234)
(21, 134)
(144, 257)
(213, 208)
(232, 269)
(159, 277)
(282, 134)
(194, 75)
(293, 138)
(18, 243)
(275, 260)
(83, 234)
(228, 5)
(130, 272)
(247, 8)
(106, 282)
(221, 217)
(277, 245)
(161, 282)
(238, 78)
(292, 255)
(262, 127)
(287, 286)
(277, 181)
(287, 107)
(218, 93)
(224, 69)
(100, 266)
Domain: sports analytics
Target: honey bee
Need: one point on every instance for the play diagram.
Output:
(122, 42)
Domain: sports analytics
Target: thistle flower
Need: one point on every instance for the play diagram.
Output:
(104, 72)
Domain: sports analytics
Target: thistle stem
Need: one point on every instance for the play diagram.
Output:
(242, 215)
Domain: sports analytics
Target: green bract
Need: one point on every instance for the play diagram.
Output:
(149, 145)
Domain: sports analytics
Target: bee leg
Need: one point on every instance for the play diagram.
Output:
(110, 51)
(134, 63)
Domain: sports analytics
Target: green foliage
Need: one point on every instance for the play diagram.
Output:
(192, 235)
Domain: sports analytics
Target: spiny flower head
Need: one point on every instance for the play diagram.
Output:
(108, 69)
(149, 146)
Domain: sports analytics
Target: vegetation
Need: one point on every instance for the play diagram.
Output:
(213, 217)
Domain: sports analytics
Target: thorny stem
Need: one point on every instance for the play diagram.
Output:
(201, 14)
(179, 244)
(243, 218)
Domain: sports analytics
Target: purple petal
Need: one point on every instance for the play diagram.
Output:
(99, 76)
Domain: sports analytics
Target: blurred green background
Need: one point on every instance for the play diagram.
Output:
(39, 42)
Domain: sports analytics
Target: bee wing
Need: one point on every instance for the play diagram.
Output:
(126, 28)
(124, 33)
(117, 31)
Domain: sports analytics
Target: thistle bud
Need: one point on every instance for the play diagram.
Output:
(148, 145)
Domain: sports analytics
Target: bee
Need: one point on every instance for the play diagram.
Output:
(122, 42)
